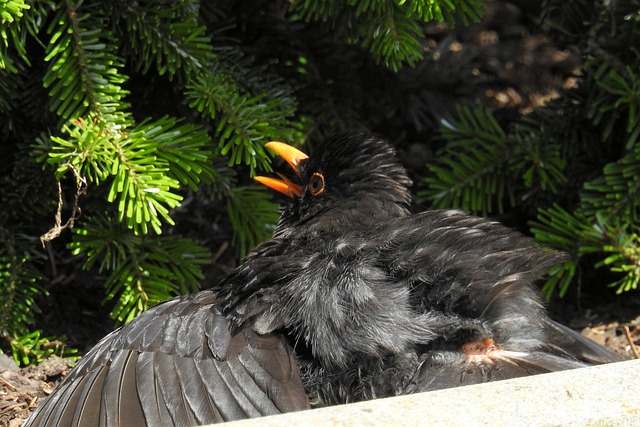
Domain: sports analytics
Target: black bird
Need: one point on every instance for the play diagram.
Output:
(353, 298)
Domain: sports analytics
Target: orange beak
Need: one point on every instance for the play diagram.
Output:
(291, 155)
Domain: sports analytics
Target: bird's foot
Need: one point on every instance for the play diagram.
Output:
(480, 352)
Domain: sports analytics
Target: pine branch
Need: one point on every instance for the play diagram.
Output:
(12, 10)
(12, 35)
(32, 348)
(147, 165)
(574, 234)
(152, 274)
(310, 10)
(141, 271)
(394, 40)
(27, 195)
(244, 121)
(540, 161)
(8, 95)
(391, 30)
(620, 97)
(624, 258)
(579, 235)
(472, 173)
(84, 77)
(429, 10)
(186, 149)
(616, 194)
(168, 37)
(20, 287)
(224, 179)
(252, 215)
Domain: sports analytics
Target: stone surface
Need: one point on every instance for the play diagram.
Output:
(607, 395)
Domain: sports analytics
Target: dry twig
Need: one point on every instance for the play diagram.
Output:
(634, 349)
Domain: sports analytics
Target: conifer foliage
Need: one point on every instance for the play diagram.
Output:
(574, 163)
(117, 117)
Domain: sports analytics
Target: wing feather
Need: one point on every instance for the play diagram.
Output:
(177, 364)
(169, 387)
(232, 397)
(119, 391)
(196, 392)
(87, 411)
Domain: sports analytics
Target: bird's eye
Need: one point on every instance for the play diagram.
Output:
(316, 184)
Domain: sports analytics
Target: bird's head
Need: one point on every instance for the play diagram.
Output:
(351, 179)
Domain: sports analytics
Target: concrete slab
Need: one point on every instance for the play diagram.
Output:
(606, 395)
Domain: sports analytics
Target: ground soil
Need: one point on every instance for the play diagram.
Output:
(531, 70)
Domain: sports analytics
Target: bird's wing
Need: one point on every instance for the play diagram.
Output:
(177, 364)
(446, 369)
(477, 269)
(565, 341)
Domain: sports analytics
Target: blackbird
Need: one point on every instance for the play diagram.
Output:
(352, 298)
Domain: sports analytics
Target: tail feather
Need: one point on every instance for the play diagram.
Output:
(565, 341)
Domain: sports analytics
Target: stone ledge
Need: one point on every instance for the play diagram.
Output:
(606, 395)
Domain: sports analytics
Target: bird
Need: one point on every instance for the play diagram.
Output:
(354, 297)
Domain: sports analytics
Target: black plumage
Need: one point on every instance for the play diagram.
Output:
(353, 298)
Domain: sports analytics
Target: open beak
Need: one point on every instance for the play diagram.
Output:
(291, 155)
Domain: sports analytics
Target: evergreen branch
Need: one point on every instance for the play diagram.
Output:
(481, 165)
(574, 234)
(474, 165)
(12, 34)
(314, 10)
(539, 159)
(393, 39)
(27, 195)
(246, 121)
(83, 77)
(427, 10)
(19, 287)
(559, 278)
(187, 151)
(103, 243)
(624, 259)
(147, 165)
(89, 150)
(11, 10)
(617, 95)
(616, 194)
(33, 348)
(391, 30)
(251, 211)
(579, 235)
(141, 184)
(432, 10)
(253, 216)
(168, 37)
(625, 90)
(424, 10)
(370, 7)
(142, 271)
(156, 271)
(223, 180)
(8, 83)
